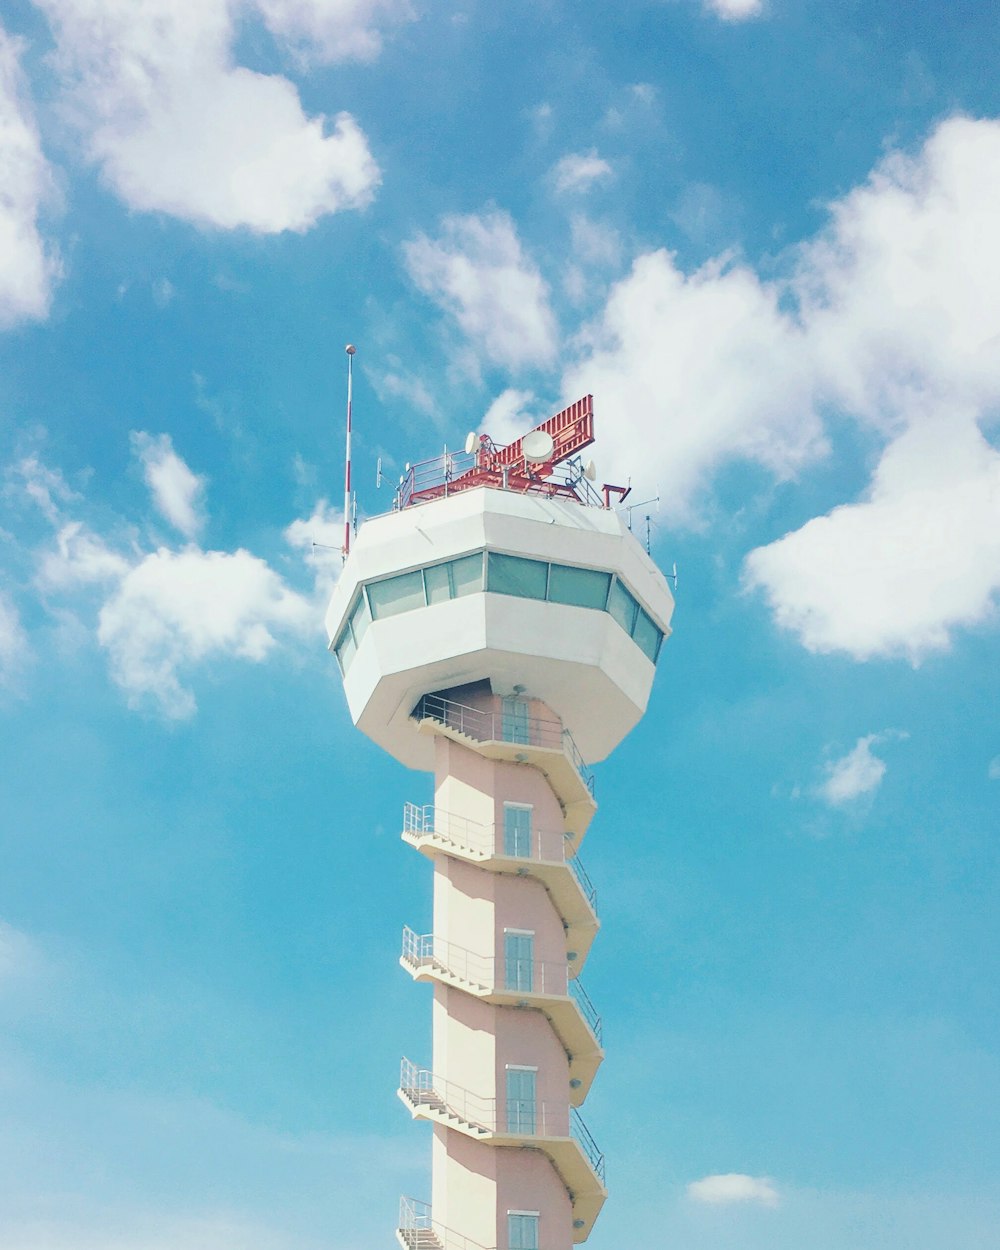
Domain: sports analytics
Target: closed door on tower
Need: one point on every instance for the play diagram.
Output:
(521, 1104)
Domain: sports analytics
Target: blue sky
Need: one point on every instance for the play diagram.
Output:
(764, 235)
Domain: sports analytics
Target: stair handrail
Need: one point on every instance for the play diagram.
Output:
(586, 1142)
(514, 1117)
(415, 1215)
(489, 726)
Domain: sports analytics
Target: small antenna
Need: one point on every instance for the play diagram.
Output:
(350, 349)
(378, 474)
(630, 507)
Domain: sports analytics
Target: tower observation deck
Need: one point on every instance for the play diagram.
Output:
(500, 628)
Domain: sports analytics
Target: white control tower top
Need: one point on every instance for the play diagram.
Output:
(512, 572)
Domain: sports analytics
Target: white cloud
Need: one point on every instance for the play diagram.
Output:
(507, 417)
(578, 171)
(733, 1187)
(993, 771)
(164, 613)
(332, 30)
(735, 10)
(899, 294)
(895, 574)
(176, 608)
(478, 272)
(692, 371)
(176, 127)
(858, 772)
(177, 492)
(80, 558)
(321, 538)
(29, 265)
(14, 647)
(46, 488)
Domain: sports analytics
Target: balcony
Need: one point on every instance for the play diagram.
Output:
(549, 858)
(544, 743)
(539, 985)
(554, 1128)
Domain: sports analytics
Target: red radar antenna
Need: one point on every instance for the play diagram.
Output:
(544, 461)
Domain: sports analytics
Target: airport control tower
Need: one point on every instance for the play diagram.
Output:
(500, 628)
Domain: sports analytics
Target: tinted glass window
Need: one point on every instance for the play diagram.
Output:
(360, 618)
(584, 588)
(345, 648)
(396, 594)
(510, 575)
(438, 581)
(647, 635)
(622, 606)
(467, 575)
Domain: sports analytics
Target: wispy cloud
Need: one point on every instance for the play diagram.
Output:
(857, 773)
(734, 10)
(29, 264)
(178, 494)
(478, 272)
(729, 1188)
(578, 171)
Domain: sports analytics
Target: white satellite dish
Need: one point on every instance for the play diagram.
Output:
(537, 446)
(471, 441)
(590, 471)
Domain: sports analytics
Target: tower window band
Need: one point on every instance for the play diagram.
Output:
(499, 574)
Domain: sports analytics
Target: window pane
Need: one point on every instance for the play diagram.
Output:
(510, 575)
(360, 618)
(522, 1232)
(467, 575)
(647, 635)
(622, 606)
(585, 588)
(438, 583)
(516, 830)
(396, 594)
(345, 648)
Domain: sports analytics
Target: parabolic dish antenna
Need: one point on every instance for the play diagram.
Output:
(471, 441)
(537, 447)
(590, 471)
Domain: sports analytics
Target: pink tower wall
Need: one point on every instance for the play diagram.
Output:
(476, 1184)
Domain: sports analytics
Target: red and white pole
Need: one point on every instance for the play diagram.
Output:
(350, 349)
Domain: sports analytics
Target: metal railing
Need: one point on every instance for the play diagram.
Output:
(585, 1141)
(526, 976)
(545, 846)
(587, 1009)
(488, 725)
(416, 1217)
(513, 1117)
(441, 475)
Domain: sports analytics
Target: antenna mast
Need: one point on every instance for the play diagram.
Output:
(350, 349)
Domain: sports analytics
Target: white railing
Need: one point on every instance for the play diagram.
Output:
(416, 1217)
(544, 845)
(523, 976)
(487, 725)
(513, 1117)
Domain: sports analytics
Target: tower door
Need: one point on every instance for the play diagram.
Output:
(516, 829)
(521, 1100)
(515, 720)
(519, 960)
